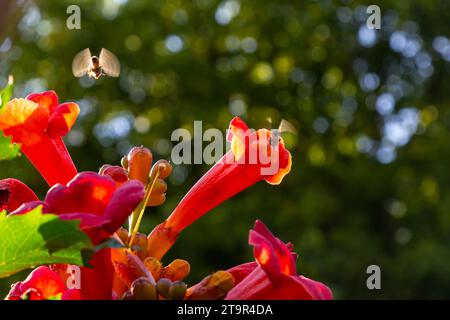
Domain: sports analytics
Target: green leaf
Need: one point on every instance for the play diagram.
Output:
(8, 150)
(6, 92)
(34, 239)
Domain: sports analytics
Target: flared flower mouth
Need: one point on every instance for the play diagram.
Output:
(262, 148)
(38, 124)
(29, 120)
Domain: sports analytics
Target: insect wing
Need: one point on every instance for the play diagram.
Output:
(109, 62)
(81, 62)
(286, 126)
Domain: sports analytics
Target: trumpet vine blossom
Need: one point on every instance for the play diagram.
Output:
(38, 124)
(238, 169)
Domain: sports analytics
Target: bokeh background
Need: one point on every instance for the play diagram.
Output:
(370, 178)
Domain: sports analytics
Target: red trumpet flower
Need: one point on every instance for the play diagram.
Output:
(254, 156)
(38, 124)
(274, 275)
(102, 208)
(42, 284)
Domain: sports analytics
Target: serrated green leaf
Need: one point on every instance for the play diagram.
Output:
(35, 239)
(8, 150)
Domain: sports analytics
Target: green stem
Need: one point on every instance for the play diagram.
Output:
(135, 222)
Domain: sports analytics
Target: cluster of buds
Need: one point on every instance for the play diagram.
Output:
(143, 289)
(138, 165)
(165, 281)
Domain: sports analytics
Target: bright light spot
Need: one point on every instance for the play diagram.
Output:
(174, 43)
(386, 154)
(237, 105)
(142, 124)
(44, 28)
(369, 81)
(110, 8)
(397, 41)
(364, 144)
(227, 11)
(367, 37)
(397, 209)
(232, 43)
(6, 45)
(115, 128)
(262, 73)
(75, 137)
(249, 45)
(399, 128)
(403, 236)
(163, 146)
(385, 104)
(321, 125)
(344, 14)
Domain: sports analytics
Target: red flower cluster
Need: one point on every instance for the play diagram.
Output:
(102, 202)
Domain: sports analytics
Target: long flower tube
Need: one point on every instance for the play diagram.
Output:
(38, 124)
(253, 157)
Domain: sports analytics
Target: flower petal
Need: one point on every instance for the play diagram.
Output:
(13, 193)
(62, 119)
(271, 253)
(88, 192)
(46, 99)
(243, 270)
(43, 283)
(24, 120)
(124, 200)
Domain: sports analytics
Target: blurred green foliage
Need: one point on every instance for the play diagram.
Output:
(370, 177)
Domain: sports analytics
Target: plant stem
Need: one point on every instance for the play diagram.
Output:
(141, 209)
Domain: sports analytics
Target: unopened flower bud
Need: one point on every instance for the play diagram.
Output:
(139, 163)
(160, 187)
(118, 174)
(143, 289)
(103, 168)
(124, 162)
(177, 290)
(154, 266)
(123, 235)
(177, 270)
(139, 245)
(163, 286)
(163, 167)
(156, 200)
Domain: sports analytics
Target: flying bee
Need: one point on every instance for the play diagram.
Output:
(95, 67)
(284, 126)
